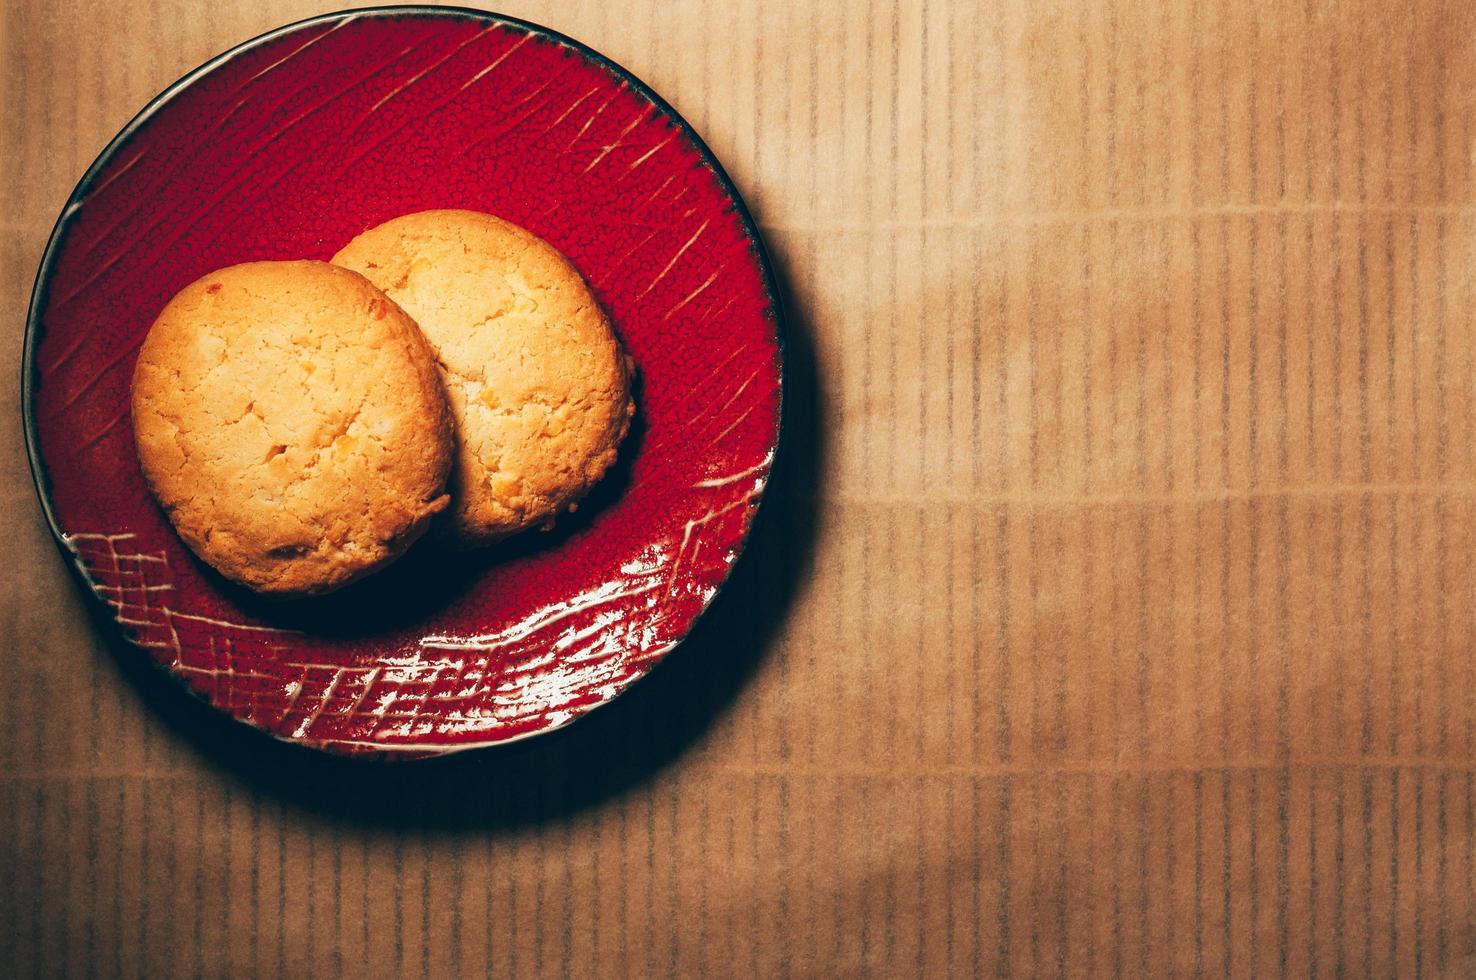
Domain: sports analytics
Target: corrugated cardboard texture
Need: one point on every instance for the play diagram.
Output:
(1113, 614)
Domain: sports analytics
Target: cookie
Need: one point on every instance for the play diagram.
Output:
(290, 420)
(538, 382)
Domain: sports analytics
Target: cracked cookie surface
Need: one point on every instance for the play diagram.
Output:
(538, 383)
(290, 420)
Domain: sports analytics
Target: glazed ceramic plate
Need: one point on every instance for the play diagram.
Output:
(287, 147)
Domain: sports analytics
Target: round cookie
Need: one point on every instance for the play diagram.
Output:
(538, 383)
(290, 420)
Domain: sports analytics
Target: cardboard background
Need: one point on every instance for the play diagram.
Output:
(1114, 613)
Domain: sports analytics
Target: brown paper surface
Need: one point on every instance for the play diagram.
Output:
(1113, 612)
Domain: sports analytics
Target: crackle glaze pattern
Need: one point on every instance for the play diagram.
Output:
(287, 148)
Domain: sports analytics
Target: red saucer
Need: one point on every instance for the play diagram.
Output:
(287, 147)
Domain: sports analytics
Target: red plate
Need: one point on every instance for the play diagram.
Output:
(288, 146)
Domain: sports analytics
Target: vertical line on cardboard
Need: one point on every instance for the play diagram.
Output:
(1313, 876)
(1253, 811)
(397, 898)
(336, 835)
(425, 880)
(1115, 318)
(489, 952)
(1199, 872)
(1365, 433)
(1340, 957)
(1226, 811)
(868, 274)
(1442, 868)
(674, 917)
(950, 307)
(171, 864)
(894, 77)
(1032, 356)
(1003, 721)
(1062, 877)
(10, 871)
(1442, 605)
(141, 879)
(922, 321)
(90, 859)
(976, 437)
(61, 900)
(311, 902)
(1419, 868)
(920, 712)
(950, 634)
(364, 902)
(704, 895)
(281, 816)
(1442, 406)
(1144, 745)
(1088, 320)
(1443, 645)
(864, 937)
(34, 950)
(1227, 944)
(976, 879)
(1368, 829)
(1117, 848)
(1470, 831)
(1006, 885)
(458, 899)
(252, 804)
(1032, 579)
(1283, 711)
(893, 634)
(950, 916)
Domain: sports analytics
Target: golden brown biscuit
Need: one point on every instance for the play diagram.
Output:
(538, 383)
(289, 418)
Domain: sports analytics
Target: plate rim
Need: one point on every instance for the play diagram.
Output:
(82, 190)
